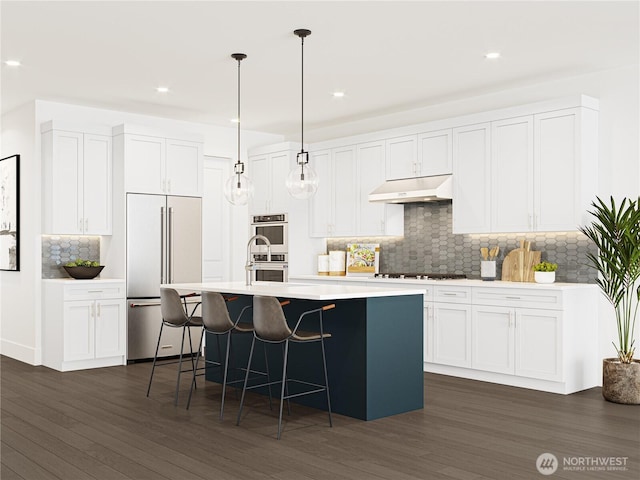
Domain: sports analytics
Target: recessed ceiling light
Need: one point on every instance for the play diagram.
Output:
(338, 94)
(13, 63)
(162, 89)
(492, 55)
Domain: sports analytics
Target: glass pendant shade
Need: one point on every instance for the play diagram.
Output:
(302, 182)
(238, 189)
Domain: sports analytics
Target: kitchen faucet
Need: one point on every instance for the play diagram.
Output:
(250, 265)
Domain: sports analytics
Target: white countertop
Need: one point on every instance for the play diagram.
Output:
(91, 280)
(412, 283)
(296, 290)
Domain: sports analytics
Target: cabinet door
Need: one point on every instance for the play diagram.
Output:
(320, 206)
(512, 175)
(66, 183)
(556, 177)
(144, 164)
(452, 334)
(78, 330)
(371, 174)
(539, 344)
(471, 179)
(183, 168)
(492, 333)
(260, 175)
(435, 156)
(345, 191)
(281, 165)
(110, 328)
(402, 155)
(97, 185)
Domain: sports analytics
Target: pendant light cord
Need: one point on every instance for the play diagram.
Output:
(302, 96)
(239, 60)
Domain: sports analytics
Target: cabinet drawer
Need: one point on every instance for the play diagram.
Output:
(451, 294)
(518, 297)
(94, 291)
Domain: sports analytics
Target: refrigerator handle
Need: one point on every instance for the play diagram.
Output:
(162, 246)
(170, 246)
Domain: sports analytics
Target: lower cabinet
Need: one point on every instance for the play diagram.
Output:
(524, 342)
(84, 324)
(452, 334)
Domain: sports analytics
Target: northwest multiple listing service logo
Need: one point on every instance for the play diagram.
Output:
(547, 464)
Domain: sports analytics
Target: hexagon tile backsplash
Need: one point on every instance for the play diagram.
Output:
(428, 246)
(58, 250)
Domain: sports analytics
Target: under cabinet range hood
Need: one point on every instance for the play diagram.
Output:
(413, 190)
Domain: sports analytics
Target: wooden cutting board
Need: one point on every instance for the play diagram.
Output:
(517, 265)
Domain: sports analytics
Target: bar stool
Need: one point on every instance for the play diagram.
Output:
(175, 315)
(216, 320)
(270, 326)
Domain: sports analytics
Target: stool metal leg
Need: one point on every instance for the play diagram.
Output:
(246, 379)
(266, 365)
(226, 370)
(175, 403)
(286, 389)
(155, 358)
(284, 385)
(193, 382)
(326, 381)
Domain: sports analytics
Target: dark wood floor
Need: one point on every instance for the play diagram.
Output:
(98, 424)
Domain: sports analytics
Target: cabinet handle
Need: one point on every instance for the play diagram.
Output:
(80, 224)
(513, 298)
(535, 221)
(86, 225)
(168, 186)
(99, 310)
(530, 222)
(164, 186)
(94, 291)
(382, 226)
(449, 294)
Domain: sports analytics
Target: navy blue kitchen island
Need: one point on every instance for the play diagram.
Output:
(374, 355)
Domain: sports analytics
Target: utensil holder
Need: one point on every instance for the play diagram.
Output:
(488, 270)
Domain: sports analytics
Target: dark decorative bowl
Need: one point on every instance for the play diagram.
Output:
(84, 273)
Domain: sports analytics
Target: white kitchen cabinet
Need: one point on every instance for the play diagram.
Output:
(565, 168)
(538, 344)
(84, 324)
(492, 331)
(435, 153)
(452, 334)
(268, 172)
(333, 209)
(471, 178)
(402, 157)
(512, 175)
(77, 182)
(375, 218)
(159, 165)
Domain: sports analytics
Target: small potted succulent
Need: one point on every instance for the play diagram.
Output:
(545, 272)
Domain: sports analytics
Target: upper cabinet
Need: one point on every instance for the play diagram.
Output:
(156, 164)
(421, 155)
(268, 170)
(333, 207)
(529, 173)
(77, 181)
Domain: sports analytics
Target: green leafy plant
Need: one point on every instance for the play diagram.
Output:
(82, 263)
(616, 233)
(545, 267)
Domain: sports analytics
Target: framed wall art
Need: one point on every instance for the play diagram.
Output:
(10, 213)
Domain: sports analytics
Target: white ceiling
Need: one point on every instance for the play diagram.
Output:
(387, 56)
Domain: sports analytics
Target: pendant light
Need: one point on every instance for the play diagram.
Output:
(238, 188)
(302, 182)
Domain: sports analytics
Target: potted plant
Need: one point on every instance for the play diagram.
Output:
(545, 272)
(616, 233)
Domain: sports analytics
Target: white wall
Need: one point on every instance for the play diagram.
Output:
(19, 332)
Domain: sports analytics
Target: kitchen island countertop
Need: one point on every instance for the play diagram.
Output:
(297, 290)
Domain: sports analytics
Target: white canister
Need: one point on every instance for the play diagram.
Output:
(323, 264)
(488, 269)
(337, 262)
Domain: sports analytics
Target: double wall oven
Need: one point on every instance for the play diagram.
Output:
(276, 228)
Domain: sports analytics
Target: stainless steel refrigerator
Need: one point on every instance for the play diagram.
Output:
(164, 245)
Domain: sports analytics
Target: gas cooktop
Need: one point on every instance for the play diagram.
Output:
(422, 276)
